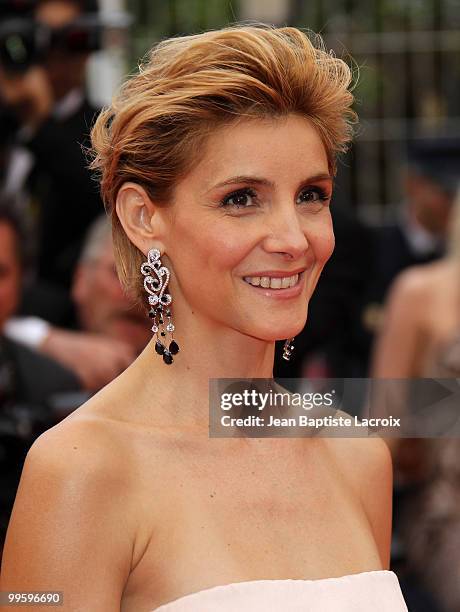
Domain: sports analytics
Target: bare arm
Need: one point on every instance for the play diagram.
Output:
(70, 528)
(376, 494)
(94, 358)
(395, 352)
(367, 466)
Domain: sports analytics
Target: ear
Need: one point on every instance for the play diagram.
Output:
(140, 218)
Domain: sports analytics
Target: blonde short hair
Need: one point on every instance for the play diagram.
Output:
(191, 85)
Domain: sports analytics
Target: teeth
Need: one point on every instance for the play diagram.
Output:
(272, 282)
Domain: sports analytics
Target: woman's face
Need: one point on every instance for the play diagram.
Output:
(250, 227)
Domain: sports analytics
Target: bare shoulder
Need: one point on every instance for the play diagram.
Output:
(417, 281)
(86, 445)
(73, 524)
(362, 458)
(367, 467)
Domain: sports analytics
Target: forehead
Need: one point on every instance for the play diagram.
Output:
(107, 252)
(286, 146)
(101, 251)
(57, 13)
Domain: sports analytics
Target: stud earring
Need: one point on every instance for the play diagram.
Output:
(155, 282)
(288, 348)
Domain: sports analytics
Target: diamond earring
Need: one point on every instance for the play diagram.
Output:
(155, 282)
(288, 348)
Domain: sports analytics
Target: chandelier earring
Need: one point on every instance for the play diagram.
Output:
(156, 279)
(288, 349)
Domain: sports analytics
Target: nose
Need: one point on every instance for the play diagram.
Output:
(286, 235)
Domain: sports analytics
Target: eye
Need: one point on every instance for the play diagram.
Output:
(316, 195)
(239, 199)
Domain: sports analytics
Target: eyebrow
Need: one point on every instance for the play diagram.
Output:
(262, 181)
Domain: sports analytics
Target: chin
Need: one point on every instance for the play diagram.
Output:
(280, 330)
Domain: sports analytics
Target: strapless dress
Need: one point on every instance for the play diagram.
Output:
(373, 591)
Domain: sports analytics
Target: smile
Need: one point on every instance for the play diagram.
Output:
(272, 282)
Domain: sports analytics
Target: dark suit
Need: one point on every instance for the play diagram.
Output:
(393, 254)
(68, 198)
(28, 383)
(66, 201)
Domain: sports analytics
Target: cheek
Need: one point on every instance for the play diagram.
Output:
(221, 246)
(113, 289)
(228, 248)
(322, 241)
(326, 247)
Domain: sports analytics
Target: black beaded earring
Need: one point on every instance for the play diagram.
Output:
(155, 282)
(288, 348)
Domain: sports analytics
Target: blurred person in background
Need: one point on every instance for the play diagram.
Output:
(102, 306)
(109, 330)
(420, 338)
(43, 90)
(28, 380)
(421, 322)
(419, 235)
(33, 382)
(420, 232)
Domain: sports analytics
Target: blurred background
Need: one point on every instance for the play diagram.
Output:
(388, 302)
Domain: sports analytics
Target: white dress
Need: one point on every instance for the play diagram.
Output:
(373, 591)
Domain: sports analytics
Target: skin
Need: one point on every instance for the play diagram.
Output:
(113, 330)
(98, 355)
(421, 319)
(421, 314)
(10, 273)
(64, 70)
(102, 305)
(28, 95)
(141, 478)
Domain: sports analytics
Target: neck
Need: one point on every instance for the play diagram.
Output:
(177, 395)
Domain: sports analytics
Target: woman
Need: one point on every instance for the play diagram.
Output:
(420, 338)
(220, 155)
(422, 317)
